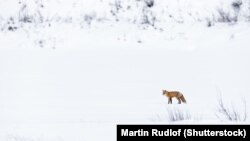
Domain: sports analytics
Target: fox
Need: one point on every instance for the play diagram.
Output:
(170, 94)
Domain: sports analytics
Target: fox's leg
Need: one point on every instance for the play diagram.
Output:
(179, 100)
(169, 100)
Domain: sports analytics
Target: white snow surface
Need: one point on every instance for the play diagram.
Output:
(68, 82)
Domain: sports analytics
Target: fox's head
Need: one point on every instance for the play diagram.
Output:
(164, 92)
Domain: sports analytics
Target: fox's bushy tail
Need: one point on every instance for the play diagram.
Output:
(183, 99)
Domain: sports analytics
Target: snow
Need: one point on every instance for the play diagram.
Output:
(74, 81)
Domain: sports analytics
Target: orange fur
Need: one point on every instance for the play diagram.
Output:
(178, 95)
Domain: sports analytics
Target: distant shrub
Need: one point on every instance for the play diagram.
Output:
(88, 18)
(236, 4)
(231, 14)
(176, 114)
(11, 24)
(230, 112)
(225, 16)
(24, 15)
(149, 3)
(148, 17)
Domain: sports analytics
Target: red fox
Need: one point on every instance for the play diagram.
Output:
(179, 96)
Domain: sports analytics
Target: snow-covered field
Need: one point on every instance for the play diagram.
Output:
(69, 79)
